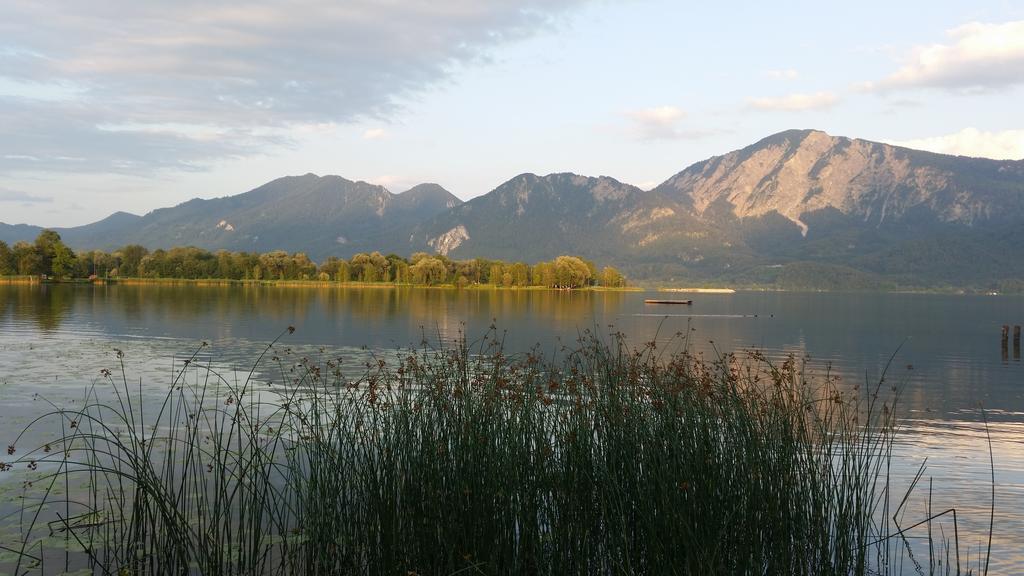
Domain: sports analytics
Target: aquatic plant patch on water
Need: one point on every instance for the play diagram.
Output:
(607, 459)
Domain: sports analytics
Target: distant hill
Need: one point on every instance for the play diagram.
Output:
(800, 208)
(533, 217)
(319, 215)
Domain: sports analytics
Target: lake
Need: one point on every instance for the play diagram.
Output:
(942, 351)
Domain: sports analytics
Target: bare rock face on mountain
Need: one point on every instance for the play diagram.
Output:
(798, 172)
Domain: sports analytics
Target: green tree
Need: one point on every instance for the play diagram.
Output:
(612, 278)
(361, 267)
(370, 267)
(225, 266)
(398, 268)
(154, 265)
(344, 273)
(274, 264)
(429, 271)
(468, 270)
(571, 272)
(189, 262)
(300, 267)
(7, 265)
(131, 256)
(333, 267)
(496, 275)
(48, 246)
(245, 263)
(544, 275)
(26, 259)
(591, 271)
(520, 273)
(49, 255)
(62, 261)
(103, 264)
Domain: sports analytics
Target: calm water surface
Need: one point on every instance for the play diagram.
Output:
(945, 355)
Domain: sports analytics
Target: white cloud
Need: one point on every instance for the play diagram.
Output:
(796, 102)
(659, 116)
(978, 57)
(783, 74)
(1004, 145)
(374, 134)
(661, 123)
(37, 137)
(55, 92)
(8, 195)
(163, 72)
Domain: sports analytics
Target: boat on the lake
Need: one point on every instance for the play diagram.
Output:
(654, 301)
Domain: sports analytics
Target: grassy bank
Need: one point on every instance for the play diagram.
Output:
(609, 460)
(293, 283)
(19, 280)
(638, 286)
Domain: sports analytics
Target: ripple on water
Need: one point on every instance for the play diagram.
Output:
(948, 361)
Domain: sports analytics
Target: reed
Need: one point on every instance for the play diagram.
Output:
(609, 459)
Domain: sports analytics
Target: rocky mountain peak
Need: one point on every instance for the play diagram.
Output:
(797, 172)
(428, 196)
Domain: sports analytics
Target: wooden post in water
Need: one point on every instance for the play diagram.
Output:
(1016, 342)
(1004, 343)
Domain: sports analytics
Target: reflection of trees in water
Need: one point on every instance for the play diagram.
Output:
(153, 305)
(407, 314)
(527, 310)
(6, 295)
(44, 305)
(177, 304)
(387, 313)
(952, 342)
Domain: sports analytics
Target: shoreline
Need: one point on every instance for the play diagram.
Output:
(32, 280)
(719, 290)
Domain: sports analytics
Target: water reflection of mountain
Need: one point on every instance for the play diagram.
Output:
(949, 357)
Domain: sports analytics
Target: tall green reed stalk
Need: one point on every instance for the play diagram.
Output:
(464, 460)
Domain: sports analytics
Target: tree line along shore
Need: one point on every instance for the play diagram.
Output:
(48, 257)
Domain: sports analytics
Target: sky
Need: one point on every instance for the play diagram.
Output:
(112, 105)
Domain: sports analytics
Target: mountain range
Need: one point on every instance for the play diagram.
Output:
(321, 216)
(799, 208)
